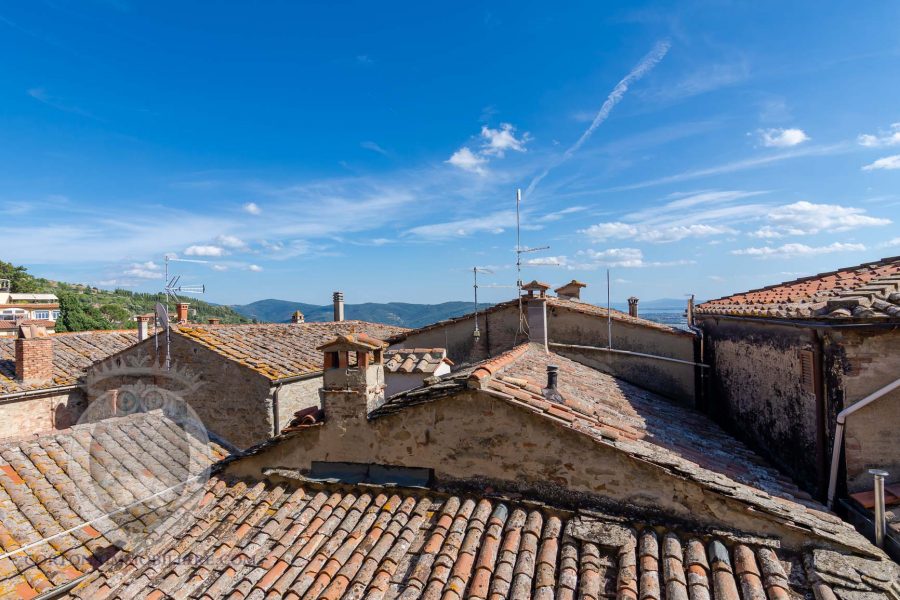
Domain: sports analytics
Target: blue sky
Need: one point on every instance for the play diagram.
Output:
(299, 148)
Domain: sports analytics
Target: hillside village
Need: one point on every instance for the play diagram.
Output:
(542, 447)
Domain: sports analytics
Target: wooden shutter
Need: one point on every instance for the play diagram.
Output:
(807, 371)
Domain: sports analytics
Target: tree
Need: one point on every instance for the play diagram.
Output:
(115, 314)
(74, 316)
(21, 281)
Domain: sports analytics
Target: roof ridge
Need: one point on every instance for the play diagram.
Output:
(491, 367)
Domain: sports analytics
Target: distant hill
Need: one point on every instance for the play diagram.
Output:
(658, 304)
(403, 314)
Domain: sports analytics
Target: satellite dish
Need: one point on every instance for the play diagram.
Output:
(162, 315)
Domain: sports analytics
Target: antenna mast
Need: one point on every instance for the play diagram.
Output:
(523, 321)
(171, 288)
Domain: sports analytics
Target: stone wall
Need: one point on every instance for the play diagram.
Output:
(297, 396)
(473, 436)
(499, 333)
(231, 400)
(865, 360)
(38, 414)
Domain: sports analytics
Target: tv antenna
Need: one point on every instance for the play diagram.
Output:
(475, 271)
(171, 288)
(520, 250)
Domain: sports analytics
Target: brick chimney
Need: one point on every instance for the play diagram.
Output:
(143, 327)
(633, 306)
(214, 321)
(297, 317)
(353, 378)
(34, 355)
(571, 290)
(182, 312)
(338, 298)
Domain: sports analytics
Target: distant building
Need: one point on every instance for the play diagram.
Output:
(653, 355)
(42, 309)
(787, 359)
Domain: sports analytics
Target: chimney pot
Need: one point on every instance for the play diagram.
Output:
(182, 308)
(338, 298)
(214, 321)
(633, 306)
(143, 327)
(297, 317)
(551, 393)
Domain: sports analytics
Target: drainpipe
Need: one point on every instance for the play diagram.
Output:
(880, 521)
(839, 433)
(275, 415)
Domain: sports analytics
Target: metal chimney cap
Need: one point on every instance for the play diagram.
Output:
(878, 472)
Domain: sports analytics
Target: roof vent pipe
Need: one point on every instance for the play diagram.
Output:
(338, 298)
(551, 393)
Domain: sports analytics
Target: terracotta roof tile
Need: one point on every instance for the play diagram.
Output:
(73, 353)
(415, 360)
(867, 291)
(69, 481)
(279, 350)
(311, 541)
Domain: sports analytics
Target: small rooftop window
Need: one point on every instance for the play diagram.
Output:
(348, 472)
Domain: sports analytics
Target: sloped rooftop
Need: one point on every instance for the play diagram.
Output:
(73, 353)
(279, 350)
(870, 291)
(640, 423)
(296, 539)
(57, 492)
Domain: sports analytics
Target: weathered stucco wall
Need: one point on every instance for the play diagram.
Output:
(231, 400)
(26, 416)
(866, 360)
(757, 392)
(471, 436)
(499, 334)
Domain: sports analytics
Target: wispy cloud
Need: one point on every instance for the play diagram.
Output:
(657, 235)
(496, 222)
(807, 218)
(645, 65)
(704, 80)
(207, 250)
(782, 138)
(618, 257)
(41, 95)
(467, 160)
(368, 145)
(891, 137)
(888, 163)
(798, 250)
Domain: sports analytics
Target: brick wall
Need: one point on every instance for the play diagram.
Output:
(27, 416)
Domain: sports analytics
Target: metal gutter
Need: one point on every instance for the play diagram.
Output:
(839, 433)
(293, 378)
(630, 353)
(275, 413)
(41, 392)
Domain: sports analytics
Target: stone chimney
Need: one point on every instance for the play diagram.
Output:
(353, 377)
(297, 317)
(571, 290)
(633, 306)
(214, 321)
(143, 327)
(34, 355)
(536, 286)
(182, 312)
(338, 298)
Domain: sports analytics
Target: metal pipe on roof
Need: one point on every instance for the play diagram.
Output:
(839, 433)
(275, 416)
(631, 353)
(41, 392)
(880, 517)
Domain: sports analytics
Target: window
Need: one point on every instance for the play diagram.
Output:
(42, 314)
(54, 315)
(366, 473)
(807, 371)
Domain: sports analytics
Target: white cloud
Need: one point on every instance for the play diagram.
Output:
(716, 278)
(204, 251)
(466, 160)
(219, 268)
(373, 147)
(547, 261)
(884, 138)
(891, 243)
(556, 216)
(806, 218)
(645, 233)
(614, 257)
(797, 250)
(254, 268)
(491, 223)
(144, 270)
(782, 138)
(498, 141)
(230, 241)
(252, 208)
(887, 163)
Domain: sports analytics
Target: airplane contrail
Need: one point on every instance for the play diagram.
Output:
(650, 60)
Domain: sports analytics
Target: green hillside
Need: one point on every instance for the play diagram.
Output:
(84, 307)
